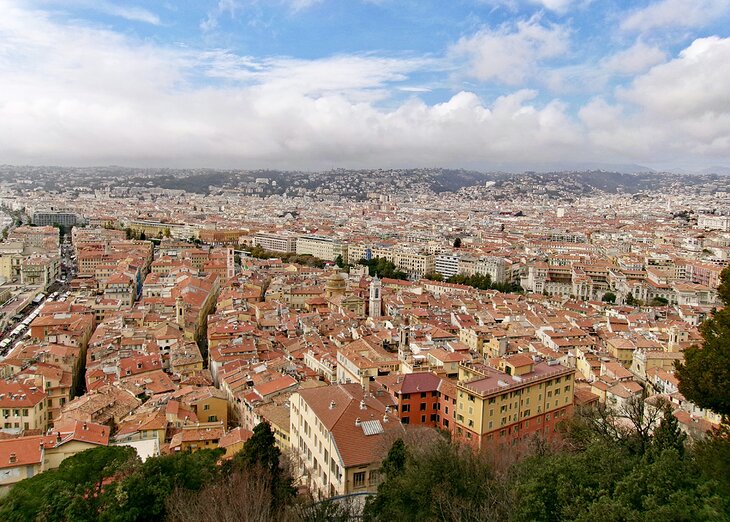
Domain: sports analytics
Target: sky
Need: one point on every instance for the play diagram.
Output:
(319, 84)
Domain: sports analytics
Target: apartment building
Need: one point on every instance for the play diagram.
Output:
(275, 242)
(340, 435)
(23, 407)
(520, 398)
(322, 247)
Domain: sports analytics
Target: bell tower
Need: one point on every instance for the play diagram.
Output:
(376, 287)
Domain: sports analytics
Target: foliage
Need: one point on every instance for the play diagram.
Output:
(457, 242)
(381, 267)
(142, 495)
(75, 491)
(723, 290)
(287, 257)
(433, 276)
(704, 376)
(260, 453)
(631, 300)
(609, 297)
(438, 481)
(659, 301)
(484, 282)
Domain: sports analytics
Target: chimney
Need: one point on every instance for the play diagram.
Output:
(357, 421)
(362, 405)
(13, 459)
(86, 426)
(332, 405)
(385, 417)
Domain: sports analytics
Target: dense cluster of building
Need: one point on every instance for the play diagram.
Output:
(170, 337)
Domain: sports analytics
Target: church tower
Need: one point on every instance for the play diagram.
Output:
(376, 288)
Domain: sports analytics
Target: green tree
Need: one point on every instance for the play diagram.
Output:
(723, 290)
(609, 297)
(630, 300)
(659, 301)
(704, 375)
(668, 435)
(77, 490)
(438, 480)
(142, 496)
(433, 276)
(261, 452)
(339, 261)
(457, 242)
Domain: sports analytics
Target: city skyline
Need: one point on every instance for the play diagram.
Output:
(318, 84)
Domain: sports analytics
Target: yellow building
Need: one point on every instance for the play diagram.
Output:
(196, 437)
(521, 397)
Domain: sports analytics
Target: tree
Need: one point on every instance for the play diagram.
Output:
(457, 242)
(261, 453)
(630, 300)
(433, 276)
(339, 261)
(439, 480)
(143, 495)
(704, 375)
(668, 435)
(609, 297)
(75, 491)
(659, 301)
(723, 290)
(242, 496)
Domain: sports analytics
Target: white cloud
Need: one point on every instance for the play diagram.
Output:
(637, 58)
(73, 94)
(210, 22)
(553, 5)
(558, 6)
(677, 110)
(675, 13)
(512, 54)
(133, 13)
(298, 5)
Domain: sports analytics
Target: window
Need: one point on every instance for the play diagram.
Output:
(206, 407)
(25, 412)
(423, 406)
(423, 419)
(434, 417)
(434, 394)
(212, 418)
(423, 395)
(359, 479)
(405, 420)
